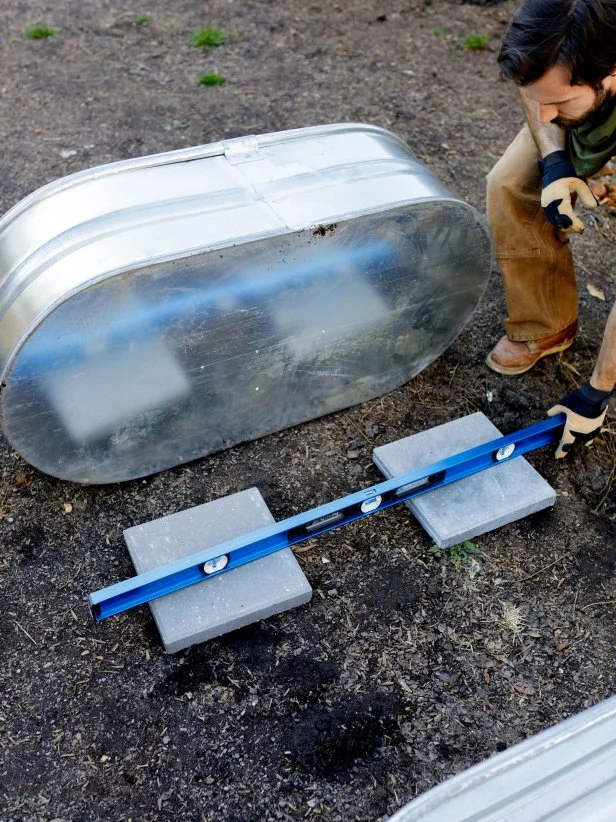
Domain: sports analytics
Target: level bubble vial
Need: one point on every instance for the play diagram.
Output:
(213, 565)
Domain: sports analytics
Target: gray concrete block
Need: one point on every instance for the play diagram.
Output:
(476, 504)
(224, 603)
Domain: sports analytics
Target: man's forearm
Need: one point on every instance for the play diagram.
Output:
(604, 375)
(548, 136)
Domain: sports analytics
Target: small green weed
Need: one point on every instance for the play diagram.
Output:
(458, 554)
(212, 80)
(209, 38)
(40, 32)
(437, 31)
(475, 42)
(142, 20)
(178, 125)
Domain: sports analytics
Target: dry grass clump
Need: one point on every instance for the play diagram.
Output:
(511, 619)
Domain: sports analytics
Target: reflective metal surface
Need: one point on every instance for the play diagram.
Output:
(156, 310)
(564, 774)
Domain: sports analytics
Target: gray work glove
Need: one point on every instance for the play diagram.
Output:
(560, 184)
(585, 408)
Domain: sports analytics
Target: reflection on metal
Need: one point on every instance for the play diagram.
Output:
(156, 310)
(564, 774)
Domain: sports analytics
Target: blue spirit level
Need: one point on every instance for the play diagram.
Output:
(241, 550)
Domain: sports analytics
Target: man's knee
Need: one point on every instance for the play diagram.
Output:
(502, 193)
(517, 171)
(499, 177)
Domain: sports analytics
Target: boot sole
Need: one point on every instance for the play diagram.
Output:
(522, 369)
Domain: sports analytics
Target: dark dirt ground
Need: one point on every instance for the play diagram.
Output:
(408, 666)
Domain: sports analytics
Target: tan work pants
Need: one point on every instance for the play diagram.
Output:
(534, 257)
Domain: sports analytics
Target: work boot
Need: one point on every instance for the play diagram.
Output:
(511, 357)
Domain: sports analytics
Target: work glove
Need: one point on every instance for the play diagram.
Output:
(560, 184)
(585, 408)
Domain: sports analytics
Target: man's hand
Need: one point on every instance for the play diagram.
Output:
(559, 182)
(585, 408)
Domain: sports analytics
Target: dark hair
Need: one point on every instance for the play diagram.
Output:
(577, 34)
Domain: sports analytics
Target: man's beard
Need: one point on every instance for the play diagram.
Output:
(601, 99)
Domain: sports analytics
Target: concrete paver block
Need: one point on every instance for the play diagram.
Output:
(473, 505)
(224, 603)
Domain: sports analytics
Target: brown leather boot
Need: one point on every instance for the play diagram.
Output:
(510, 357)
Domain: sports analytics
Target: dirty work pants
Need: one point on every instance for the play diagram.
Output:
(534, 257)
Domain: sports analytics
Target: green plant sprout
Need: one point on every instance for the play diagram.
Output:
(209, 38)
(142, 20)
(212, 80)
(458, 554)
(40, 32)
(475, 42)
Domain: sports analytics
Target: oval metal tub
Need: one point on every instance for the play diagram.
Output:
(156, 310)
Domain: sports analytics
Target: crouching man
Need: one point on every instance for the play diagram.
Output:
(562, 56)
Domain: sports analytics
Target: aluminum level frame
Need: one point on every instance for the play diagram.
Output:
(222, 558)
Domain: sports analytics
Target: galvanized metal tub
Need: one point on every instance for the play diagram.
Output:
(156, 310)
(564, 774)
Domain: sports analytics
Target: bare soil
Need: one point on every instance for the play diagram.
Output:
(409, 665)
